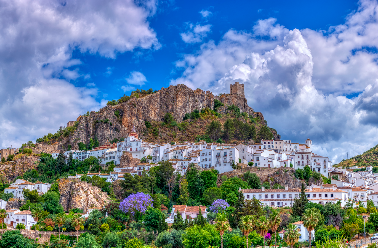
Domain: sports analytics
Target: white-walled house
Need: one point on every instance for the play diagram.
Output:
(303, 232)
(3, 204)
(187, 212)
(19, 185)
(15, 217)
(285, 197)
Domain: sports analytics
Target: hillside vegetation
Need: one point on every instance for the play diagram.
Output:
(368, 158)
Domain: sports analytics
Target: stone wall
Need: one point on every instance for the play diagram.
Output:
(17, 167)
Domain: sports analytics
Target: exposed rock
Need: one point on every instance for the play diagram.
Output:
(117, 121)
(13, 203)
(82, 195)
(18, 166)
(127, 160)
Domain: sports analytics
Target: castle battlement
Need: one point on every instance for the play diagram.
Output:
(237, 89)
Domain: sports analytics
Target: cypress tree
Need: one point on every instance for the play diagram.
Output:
(300, 203)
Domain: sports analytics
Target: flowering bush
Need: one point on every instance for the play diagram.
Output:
(267, 236)
(219, 206)
(134, 203)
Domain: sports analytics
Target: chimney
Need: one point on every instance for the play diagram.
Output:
(286, 187)
(263, 189)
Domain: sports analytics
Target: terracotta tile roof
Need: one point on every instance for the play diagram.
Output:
(298, 222)
(24, 212)
(179, 208)
(323, 190)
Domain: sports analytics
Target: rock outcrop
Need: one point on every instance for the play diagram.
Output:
(82, 195)
(20, 164)
(117, 121)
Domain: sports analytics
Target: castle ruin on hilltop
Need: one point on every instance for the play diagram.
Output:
(237, 89)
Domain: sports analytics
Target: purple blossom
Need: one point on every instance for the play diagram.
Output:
(138, 202)
(219, 206)
(267, 236)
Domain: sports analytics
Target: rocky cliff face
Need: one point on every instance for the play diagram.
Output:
(82, 195)
(118, 120)
(17, 167)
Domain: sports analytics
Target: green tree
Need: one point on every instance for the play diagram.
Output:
(178, 222)
(155, 220)
(60, 220)
(200, 220)
(168, 118)
(228, 130)
(222, 225)
(134, 243)
(14, 239)
(247, 224)
(32, 196)
(263, 226)
(201, 237)
(110, 240)
(253, 180)
(265, 134)
(51, 203)
(212, 194)
(274, 223)
(184, 193)
(310, 220)
(232, 185)
(214, 130)
(209, 178)
(195, 183)
(170, 239)
(291, 235)
(87, 240)
(3, 215)
(164, 173)
(300, 203)
(77, 223)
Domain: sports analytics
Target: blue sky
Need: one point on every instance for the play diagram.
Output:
(172, 19)
(309, 66)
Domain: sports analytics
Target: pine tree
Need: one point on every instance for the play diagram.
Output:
(300, 203)
(200, 220)
(178, 223)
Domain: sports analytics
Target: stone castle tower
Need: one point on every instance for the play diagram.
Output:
(237, 89)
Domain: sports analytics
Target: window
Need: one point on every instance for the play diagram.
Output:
(290, 196)
(278, 196)
(260, 196)
(331, 195)
(284, 196)
(266, 196)
(320, 195)
(325, 195)
(314, 195)
(308, 196)
(247, 196)
(272, 196)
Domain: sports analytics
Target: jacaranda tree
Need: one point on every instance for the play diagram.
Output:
(136, 204)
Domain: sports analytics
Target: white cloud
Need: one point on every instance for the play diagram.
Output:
(128, 88)
(36, 43)
(109, 71)
(91, 84)
(205, 13)
(299, 79)
(195, 34)
(136, 78)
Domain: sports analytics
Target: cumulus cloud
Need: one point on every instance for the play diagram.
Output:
(136, 78)
(195, 33)
(205, 13)
(299, 79)
(128, 88)
(36, 43)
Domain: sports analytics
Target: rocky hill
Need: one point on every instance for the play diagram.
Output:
(82, 195)
(20, 164)
(119, 118)
(368, 158)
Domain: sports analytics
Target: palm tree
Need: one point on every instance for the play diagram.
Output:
(3, 215)
(37, 213)
(60, 220)
(263, 226)
(274, 223)
(310, 220)
(77, 223)
(291, 235)
(247, 223)
(222, 225)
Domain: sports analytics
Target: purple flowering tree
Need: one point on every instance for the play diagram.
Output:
(219, 206)
(136, 204)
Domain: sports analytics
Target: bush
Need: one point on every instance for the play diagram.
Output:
(110, 240)
(14, 239)
(170, 239)
(20, 226)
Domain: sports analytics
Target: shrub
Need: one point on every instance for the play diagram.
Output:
(20, 226)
